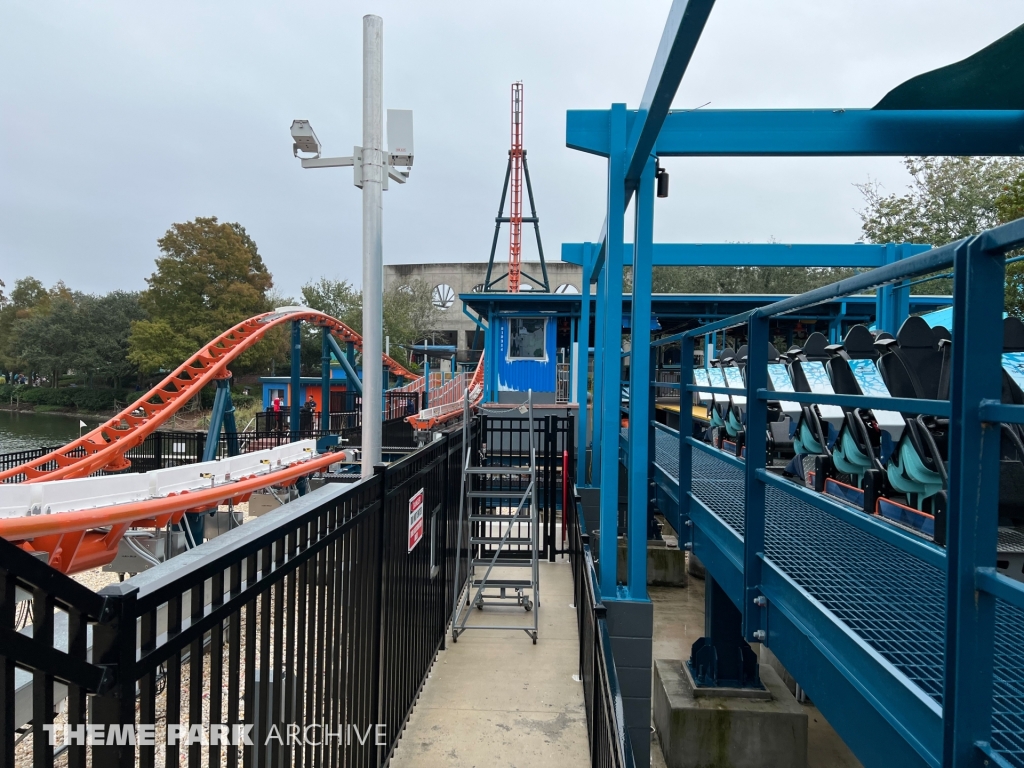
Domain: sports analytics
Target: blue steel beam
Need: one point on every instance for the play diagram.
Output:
(857, 255)
(815, 132)
(683, 28)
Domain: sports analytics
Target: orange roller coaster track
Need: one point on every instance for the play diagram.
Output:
(105, 446)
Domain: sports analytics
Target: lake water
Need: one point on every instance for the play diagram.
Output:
(24, 431)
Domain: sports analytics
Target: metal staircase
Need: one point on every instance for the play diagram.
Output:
(498, 520)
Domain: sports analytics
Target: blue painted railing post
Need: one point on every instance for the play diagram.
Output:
(325, 379)
(641, 371)
(294, 395)
(600, 347)
(609, 409)
(973, 503)
(583, 366)
(756, 442)
(684, 531)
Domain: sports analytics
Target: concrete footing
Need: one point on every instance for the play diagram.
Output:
(666, 565)
(714, 732)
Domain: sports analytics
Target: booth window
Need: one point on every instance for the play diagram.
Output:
(526, 338)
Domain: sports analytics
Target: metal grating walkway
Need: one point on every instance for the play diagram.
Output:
(893, 600)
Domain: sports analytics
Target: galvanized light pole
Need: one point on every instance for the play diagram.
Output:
(374, 172)
(372, 166)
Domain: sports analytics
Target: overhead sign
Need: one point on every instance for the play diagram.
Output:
(415, 519)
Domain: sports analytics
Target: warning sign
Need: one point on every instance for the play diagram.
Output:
(415, 519)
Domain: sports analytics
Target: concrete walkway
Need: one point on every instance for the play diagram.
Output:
(495, 700)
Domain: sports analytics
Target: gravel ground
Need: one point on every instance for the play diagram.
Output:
(95, 580)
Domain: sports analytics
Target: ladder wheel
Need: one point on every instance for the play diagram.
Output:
(535, 641)
(479, 605)
(527, 605)
(455, 636)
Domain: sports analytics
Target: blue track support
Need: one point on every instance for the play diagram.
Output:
(325, 379)
(974, 500)
(855, 255)
(813, 132)
(351, 389)
(221, 403)
(354, 382)
(583, 367)
(609, 409)
(426, 381)
(756, 443)
(641, 401)
(294, 398)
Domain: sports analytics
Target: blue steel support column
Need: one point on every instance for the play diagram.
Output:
(583, 368)
(901, 293)
(230, 427)
(350, 389)
(885, 317)
(638, 463)
(756, 441)
(608, 410)
(325, 380)
(973, 503)
(685, 430)
(221, 401)
(296, 381)
(600, 346)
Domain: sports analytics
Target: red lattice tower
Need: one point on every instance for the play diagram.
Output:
(515, 245)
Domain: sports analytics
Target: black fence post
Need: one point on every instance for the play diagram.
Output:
(378, 705)
(113, 647)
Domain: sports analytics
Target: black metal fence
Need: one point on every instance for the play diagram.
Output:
(315, 624)
(505, 441)
(609, 741)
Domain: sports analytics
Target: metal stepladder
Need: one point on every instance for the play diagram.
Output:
(498, 510)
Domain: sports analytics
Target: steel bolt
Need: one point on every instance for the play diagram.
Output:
(688, 546)
(760, 635)
(760, 601)
(688, 522)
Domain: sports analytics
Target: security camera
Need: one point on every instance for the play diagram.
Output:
(304, 138)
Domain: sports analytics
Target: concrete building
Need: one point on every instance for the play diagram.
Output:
(449, 280)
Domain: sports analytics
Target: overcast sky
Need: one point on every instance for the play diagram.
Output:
(119, 118)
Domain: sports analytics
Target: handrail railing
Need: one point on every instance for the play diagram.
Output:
(610, 746)
(316, 613)
(976, 594)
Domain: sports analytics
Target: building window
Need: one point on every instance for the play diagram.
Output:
(526, 338)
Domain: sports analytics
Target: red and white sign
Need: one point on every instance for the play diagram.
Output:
(415, 519)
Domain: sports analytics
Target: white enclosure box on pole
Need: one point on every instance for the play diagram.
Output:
(374, 169)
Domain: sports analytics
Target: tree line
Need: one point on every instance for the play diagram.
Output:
(209, 276)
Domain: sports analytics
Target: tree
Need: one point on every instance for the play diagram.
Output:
(48, 342)
(209, 277)
(949, 198)
(28, 297)
(337, 298)
(409, 316)
(104, 327)
(756, 280)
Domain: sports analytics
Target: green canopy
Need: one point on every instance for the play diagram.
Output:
(993, 78)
